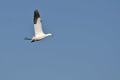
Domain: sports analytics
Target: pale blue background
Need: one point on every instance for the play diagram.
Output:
(85, 45)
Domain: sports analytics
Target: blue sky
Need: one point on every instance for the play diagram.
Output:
(85, 45)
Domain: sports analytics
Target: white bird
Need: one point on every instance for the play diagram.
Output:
(39, 34)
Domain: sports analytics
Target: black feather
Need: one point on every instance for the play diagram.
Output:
(36, 16)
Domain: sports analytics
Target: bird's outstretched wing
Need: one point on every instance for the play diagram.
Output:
(26, 38)
(37, 24)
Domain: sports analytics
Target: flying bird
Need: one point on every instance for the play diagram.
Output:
(39, 34)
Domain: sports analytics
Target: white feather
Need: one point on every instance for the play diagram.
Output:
(38, 28)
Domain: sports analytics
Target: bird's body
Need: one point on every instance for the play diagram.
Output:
(37, 38)
(39, 34)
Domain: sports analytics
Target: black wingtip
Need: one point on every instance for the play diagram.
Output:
(26, 38)
(36, 15)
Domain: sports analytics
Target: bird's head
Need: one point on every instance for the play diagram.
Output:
(49, 34)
